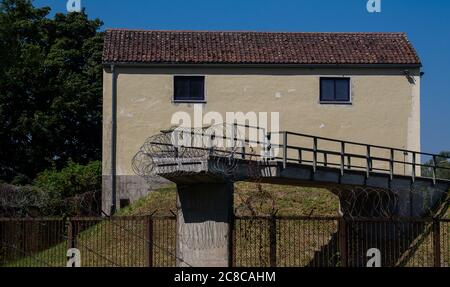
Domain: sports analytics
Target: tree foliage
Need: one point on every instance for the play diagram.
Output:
(50, 89)
(442, 166)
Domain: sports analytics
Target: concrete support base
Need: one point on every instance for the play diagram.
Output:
(204, 224)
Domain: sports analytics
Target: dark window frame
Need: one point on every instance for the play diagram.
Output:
(335, 101)
(189, 99)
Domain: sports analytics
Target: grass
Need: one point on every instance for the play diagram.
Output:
(286, 200)
(161, 202)
(289, 201)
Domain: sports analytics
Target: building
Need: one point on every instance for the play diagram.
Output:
(362, 87)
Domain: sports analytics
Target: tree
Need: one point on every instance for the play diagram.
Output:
(50, 89)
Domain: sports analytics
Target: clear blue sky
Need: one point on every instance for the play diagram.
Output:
(425, 21)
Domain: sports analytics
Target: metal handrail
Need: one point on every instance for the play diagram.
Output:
(357, 143)
(367, 156)
(345, 162)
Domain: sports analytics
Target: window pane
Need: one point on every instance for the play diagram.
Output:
(327, 90)
(181, 88)
(196, 91)
(343, 90)
(189, 88)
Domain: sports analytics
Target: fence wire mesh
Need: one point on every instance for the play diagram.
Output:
(119, 242)
(257, 242)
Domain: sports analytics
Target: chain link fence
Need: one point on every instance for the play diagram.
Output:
(117, 242)
(147, 241)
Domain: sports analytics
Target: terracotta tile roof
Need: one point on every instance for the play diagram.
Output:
(195, 47)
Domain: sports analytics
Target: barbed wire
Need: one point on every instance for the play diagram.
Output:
(30, 202)
(185, 151)
(369, 202)
(15, 201)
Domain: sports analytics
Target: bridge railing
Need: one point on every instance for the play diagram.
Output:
(291, 147)
(347, 155)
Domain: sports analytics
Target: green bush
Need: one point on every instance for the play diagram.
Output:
(70, 182)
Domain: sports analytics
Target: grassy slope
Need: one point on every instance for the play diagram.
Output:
(289, 200)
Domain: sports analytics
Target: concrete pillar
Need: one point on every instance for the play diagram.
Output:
(203, 227)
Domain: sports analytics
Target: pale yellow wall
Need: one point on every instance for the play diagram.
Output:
(385, 107)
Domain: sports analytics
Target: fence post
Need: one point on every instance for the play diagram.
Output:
(232, 241)
(437, 242)
(149, 241)
(343, 241)
(71, 234)
(273, 241)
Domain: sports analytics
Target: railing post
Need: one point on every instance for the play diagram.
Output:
(413, 173)
(211, 141)
(234, 135)
(368, 162)
(269, 146)
(391, 165)
(437, 242)
(234, 140)
(434, 169)
(343, 241)
(285, 149)
(175, 144)
(300, 156)
(149, 241)
(315, 155)
(342, 158)
(325, 159)
(273, 241)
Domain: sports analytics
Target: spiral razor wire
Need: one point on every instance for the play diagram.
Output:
(185, 151)
(367, 202)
